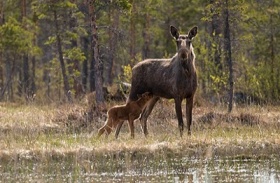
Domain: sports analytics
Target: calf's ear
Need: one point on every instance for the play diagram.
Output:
(192, 33)
(174, 32)
(146, 94)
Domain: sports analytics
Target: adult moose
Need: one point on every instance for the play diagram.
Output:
(168, 78)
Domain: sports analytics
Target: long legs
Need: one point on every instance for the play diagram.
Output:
(108, 127)
(131, 126)
(178, 108)
(189, 107)
(119, 126)
(146, 112)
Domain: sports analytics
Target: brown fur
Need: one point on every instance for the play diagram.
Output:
(168, 78)
(118, 114)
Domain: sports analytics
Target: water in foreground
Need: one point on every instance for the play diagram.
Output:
(142, 167)
(37, 147)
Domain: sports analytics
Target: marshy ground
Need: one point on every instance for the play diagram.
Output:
(32, 131)
(58, 143)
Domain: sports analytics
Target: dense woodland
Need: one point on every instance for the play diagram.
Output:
(60, 50)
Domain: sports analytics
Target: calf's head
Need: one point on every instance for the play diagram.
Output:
(145, 96)
(184, 42)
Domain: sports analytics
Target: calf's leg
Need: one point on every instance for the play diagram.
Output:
(131, 125)
(119, 126)
(103, 128)
(101, 131)
(107, 127)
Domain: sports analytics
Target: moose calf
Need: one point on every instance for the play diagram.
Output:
(118, 114)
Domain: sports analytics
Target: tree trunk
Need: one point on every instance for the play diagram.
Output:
(83, 7)
(97, 61)
(132, 34)
(67, 91)
(91, 71)
(9, 76)
(146, 36)
(33, 75)
(85, 64)
(1, 54)
(24, 85)
(9, 72)
(92, 60)
(114, 23)
(228, 58)
(33, 60)
(216, 30)
(272, 60)
(75, 65)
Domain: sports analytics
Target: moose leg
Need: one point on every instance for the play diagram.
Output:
(119, 126)
(146, 112)
(178, 108)
(189, 106)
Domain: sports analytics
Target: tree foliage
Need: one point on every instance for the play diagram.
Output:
(129, 31)
(15, 38)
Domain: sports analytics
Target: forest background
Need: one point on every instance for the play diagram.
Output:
(61, 50)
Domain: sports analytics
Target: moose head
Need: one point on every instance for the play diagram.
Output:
(184, 42)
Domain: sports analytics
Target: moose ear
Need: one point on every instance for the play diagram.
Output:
(192, 33)
(174, 32)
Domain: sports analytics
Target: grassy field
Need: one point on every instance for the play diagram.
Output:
(58, 131)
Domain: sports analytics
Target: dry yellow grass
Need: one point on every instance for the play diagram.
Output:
(42, 132)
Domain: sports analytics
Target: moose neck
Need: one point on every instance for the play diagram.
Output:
(187, 64)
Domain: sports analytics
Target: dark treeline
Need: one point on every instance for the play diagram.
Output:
(60, 50)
